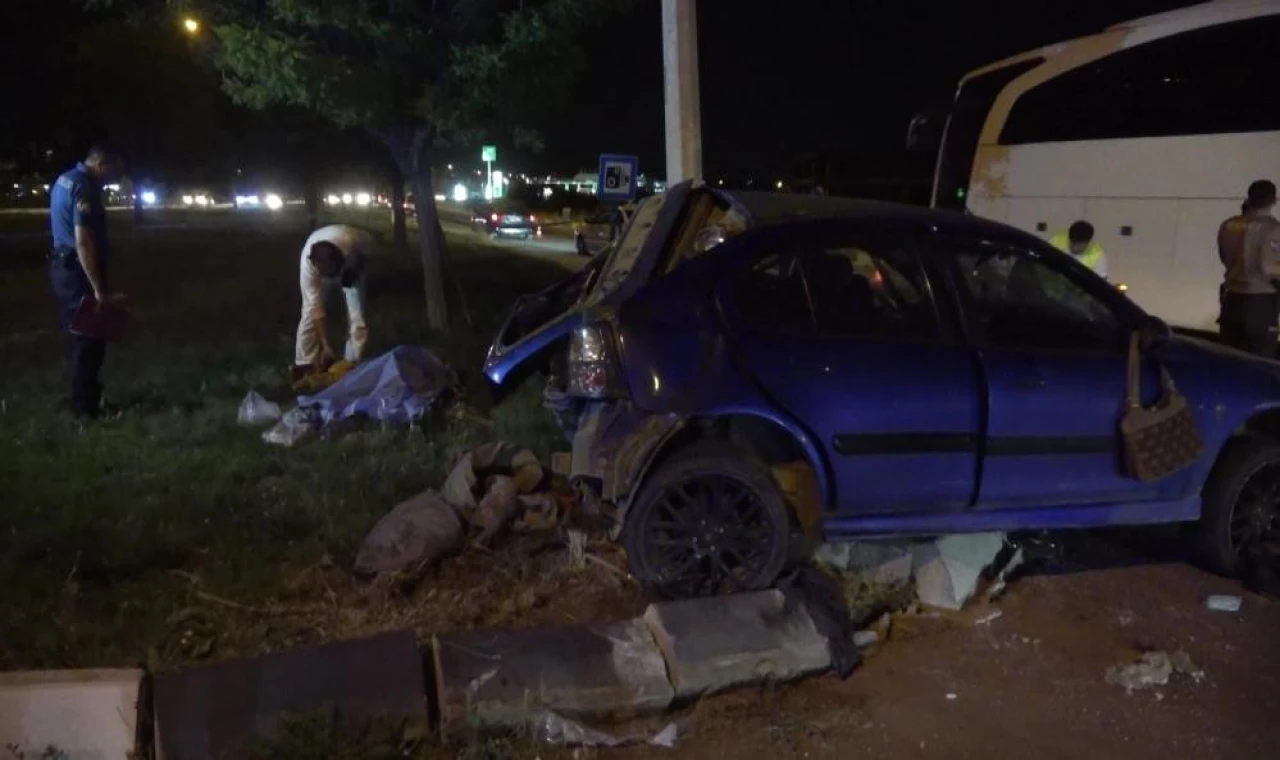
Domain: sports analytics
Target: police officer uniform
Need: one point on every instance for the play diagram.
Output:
(1249, 247)
(75, 200)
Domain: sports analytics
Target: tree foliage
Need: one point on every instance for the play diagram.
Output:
(413, 74)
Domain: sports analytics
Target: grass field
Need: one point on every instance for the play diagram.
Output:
(172, 534)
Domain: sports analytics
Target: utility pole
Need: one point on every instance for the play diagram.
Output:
(680, 70)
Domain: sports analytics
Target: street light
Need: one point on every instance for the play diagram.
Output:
(191, 25)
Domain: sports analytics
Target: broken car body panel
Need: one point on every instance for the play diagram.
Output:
(903, 436)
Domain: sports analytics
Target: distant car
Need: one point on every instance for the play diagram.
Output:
(504, 221)
(918, 372)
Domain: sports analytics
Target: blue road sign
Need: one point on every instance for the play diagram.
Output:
(618, 177)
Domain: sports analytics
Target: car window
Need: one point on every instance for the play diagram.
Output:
(772, 294)
(838, 288)
(1021, 299)
(870, 290)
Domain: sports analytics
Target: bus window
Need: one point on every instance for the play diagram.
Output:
(1205, 81)
(964, 128)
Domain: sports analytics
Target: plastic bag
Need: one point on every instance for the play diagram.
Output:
(295, 425)
(256, 410)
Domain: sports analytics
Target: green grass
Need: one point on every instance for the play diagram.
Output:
(171, 533)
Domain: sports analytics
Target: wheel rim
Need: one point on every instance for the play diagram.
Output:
(709, 534)
(1255, 517)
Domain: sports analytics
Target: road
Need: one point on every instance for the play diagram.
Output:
(29, 228)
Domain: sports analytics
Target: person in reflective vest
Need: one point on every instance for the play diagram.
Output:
(1078, 241)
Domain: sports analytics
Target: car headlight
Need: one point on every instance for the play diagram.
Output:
(274, 202)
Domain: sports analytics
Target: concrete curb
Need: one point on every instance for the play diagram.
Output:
(605, 671)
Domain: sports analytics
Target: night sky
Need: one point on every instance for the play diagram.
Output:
(778, 79)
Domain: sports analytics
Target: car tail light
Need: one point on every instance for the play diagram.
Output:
(593, 372)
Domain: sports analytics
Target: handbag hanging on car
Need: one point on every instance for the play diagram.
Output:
(1162, 438)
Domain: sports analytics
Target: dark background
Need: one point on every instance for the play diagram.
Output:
(778, 79)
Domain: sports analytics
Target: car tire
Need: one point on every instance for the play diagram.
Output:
(701, 469)
(1243, 460)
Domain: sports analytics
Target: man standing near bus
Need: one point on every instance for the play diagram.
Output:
(1078, 241)
(1249, 247)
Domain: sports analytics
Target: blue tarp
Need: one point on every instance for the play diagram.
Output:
(397, 387)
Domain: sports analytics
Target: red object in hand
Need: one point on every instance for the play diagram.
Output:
(104, 321)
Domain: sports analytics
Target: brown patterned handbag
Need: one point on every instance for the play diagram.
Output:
(1159, 439)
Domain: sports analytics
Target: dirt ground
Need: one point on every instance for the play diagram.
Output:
(1031, 683)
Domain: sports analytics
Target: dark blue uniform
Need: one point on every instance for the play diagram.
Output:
(75, 200)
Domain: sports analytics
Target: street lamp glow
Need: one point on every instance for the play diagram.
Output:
(191, 25)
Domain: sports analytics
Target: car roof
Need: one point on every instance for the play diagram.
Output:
(776, 208)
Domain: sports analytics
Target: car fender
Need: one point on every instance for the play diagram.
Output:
(646, 444)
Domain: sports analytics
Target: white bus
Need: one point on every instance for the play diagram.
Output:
(1151, 131)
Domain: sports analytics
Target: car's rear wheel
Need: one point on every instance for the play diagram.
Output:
(1241, 505)
(710, 520)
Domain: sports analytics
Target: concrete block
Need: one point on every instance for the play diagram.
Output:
(718, 643)
(606, 671)
(81, 714)
(947, 570)
(881, 562)
(220, 710)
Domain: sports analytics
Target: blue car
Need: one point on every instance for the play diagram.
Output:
(741, 370)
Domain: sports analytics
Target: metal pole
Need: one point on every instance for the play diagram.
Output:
(680, 69)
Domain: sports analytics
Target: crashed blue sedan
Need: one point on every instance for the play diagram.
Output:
(742, 370)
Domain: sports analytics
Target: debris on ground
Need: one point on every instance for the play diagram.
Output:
(295, 425)
(1153, 669)
(879, 562)
(314, 379)
(418, 532)
(948, 569)
(492, 489)
(822, 597)
(1223, 603)
(988, 617)
(864, 639)
(256, 410)
(398, 387)
(556, 729)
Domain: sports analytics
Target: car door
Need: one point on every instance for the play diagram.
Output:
(1052, 339)
(837, 323)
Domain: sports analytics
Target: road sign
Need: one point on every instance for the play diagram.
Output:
(617, 180)
(489, 153)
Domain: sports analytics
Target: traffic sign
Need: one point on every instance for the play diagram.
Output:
(617, 180)
(489, 153)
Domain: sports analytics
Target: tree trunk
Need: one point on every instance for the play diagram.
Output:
(400, 232)
(431, 245)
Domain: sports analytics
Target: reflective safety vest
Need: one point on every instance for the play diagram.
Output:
(1091, 257)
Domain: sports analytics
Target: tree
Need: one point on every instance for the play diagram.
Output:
(412, 74)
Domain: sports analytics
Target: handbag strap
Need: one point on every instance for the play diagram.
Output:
(1133, 387)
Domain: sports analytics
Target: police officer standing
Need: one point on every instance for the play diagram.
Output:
(1249, 247)
(1078, 241)
(78, 268)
